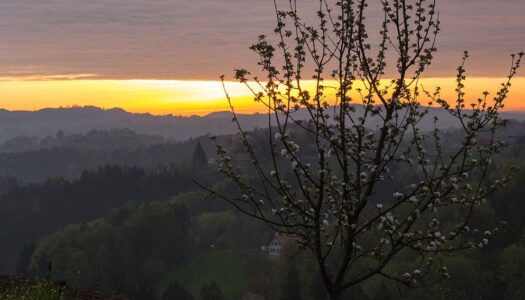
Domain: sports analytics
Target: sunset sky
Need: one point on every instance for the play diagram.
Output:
(165, 56)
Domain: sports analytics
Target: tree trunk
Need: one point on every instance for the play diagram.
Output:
(335, 294)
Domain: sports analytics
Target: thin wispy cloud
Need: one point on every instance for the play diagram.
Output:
(48, 77)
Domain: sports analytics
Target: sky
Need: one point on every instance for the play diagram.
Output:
(165, 56)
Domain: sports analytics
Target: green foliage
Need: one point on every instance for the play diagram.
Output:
(29, 212)
(227, 229)
(211, 292)
(291, 287)
(383, 293)
(229, 269)
(468, 279)
(146, 250)
(508, 203)
(129, 250)
(176, 291)
(215, 228)
(316, 289)
(511, 271)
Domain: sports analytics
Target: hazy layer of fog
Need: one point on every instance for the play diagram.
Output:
(81, 120)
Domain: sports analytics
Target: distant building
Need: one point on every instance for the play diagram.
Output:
(276, 245)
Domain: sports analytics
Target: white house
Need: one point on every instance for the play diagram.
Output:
(276, 245)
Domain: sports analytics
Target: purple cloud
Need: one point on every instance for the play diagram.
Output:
(201, 39)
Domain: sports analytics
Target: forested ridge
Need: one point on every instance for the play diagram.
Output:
(148, 231)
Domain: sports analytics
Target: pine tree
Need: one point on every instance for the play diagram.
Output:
(199, 156)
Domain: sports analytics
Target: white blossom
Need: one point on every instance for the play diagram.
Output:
(398, 195)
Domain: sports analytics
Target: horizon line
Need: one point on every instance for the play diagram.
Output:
(504, 110)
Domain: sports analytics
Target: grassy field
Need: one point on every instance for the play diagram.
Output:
(227, 268)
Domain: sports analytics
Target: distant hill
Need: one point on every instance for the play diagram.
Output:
(63, 155)
(80, 120)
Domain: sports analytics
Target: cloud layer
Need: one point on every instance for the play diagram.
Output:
(201, 39)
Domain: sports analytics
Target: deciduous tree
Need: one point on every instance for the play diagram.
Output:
(329, 82)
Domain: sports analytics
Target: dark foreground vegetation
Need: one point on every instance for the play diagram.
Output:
(149, 232)
(18, 288)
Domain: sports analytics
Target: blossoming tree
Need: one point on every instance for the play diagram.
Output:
(328, 82)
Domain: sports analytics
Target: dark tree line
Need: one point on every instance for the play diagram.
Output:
(63, 219)
(68, 156)
(31, 211)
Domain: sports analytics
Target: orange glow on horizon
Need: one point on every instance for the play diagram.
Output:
(161, 97)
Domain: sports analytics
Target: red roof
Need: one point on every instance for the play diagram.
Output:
(283, 239)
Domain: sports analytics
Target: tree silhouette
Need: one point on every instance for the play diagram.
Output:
(363, 130)
(199, 158)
